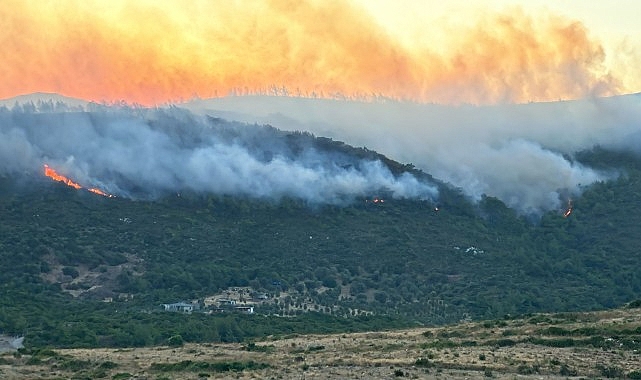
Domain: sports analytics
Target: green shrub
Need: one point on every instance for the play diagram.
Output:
(188, 365)
(424, 362)
(565, 370)
(503, 343)
(175, 341)
(524, 369)
(319, 347)
(635, 304)
(75, 364)
(70, 271)
(635, 375)
(610, 372)
(251, 346)
(108, 365)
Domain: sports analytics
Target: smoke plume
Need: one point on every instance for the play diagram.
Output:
(521, 154)
(152, 52)
(136, 152)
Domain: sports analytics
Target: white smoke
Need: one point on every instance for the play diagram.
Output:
(138, 152)
(520, 154)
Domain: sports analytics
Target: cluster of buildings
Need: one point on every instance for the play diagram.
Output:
(240, 300)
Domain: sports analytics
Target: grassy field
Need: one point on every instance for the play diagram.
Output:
(602, 344)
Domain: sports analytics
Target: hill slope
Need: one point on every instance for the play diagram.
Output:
(399, 261)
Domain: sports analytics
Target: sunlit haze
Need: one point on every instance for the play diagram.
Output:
(465, 91)
(153, 52)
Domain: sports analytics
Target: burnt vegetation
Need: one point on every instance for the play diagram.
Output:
(65, 252)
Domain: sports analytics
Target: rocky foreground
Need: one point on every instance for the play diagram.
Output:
(603, 344)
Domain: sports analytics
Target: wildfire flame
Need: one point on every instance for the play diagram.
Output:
(569, 209)
(99, 192)
(53, 174)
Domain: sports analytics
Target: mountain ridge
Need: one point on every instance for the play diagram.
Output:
(402, 260)
(520, 153)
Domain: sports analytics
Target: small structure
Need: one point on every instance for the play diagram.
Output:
(180, 307)
(226, 302)
(260, 296)
(245, 309)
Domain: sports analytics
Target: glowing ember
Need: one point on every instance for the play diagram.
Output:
(51, 173)
(100, 192)
(569, 210)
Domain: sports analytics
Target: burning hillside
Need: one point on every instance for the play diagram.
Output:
(51, 173)
(144, 153)
(54, 175)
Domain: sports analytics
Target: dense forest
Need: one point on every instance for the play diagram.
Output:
(407, 262)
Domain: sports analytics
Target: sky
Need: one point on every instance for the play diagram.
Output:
(447, 52)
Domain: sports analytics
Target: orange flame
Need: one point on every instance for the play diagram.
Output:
(100, 192)
(53, 174)
(569, 210)
(152, 52)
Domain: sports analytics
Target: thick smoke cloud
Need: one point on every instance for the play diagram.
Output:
(521, 154)
(137, 152)
(152, 52)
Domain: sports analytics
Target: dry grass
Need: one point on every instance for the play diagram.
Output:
(497, 349)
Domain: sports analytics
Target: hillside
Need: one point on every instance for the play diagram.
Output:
(601, 344)
(357, 266)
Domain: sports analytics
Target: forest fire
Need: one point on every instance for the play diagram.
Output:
(53, 174)
(100, 192)
(569, 209)
(375, 200)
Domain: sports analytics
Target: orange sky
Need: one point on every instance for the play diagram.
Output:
(153, 52)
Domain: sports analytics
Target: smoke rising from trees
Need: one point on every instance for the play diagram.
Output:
(136, 152)
(521, 154)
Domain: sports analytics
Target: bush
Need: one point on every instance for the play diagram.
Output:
(504, 342)
(424, 362)
(175, 341)
(108, 365)
(635, 375)
(188, 365)
(635, 305)
(525, 370)
(75, 364)
(121, 376)
(70, 271)
(567, 371)
(610, 372)
(251, 346)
